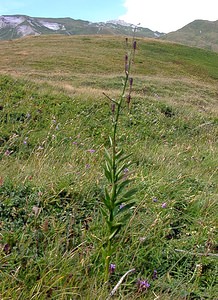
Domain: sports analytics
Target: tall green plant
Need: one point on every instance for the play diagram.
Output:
(118, 196)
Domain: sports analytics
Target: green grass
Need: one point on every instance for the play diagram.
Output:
(51, 186)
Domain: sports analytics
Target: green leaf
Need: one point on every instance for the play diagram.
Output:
(122, 201)
(122, 185)
(111, 141)
(126, 217)
(124, 157)
(107, 204)
(121, 169)
(116, 228)
(115, 210)
(130, 193)
(104, 212)
(108, 157)
(120, 177)
(107, 199)
(107, 195)
(124, 166)
(108, 167)
(124, 208)
(104, 252)
(107, 174)
(119, 153)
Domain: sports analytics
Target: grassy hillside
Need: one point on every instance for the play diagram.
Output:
(48, 56)
(54, 125)
(199, 33)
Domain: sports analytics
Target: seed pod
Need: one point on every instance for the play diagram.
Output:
(113, 107)
(126, 41)
(128, 98)
(126, 64)
(131, 82)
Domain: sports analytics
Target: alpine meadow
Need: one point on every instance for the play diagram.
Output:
(108, 173)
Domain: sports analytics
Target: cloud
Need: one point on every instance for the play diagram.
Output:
(168, 15)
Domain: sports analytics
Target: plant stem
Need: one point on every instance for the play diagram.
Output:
(107, 261)
(119, 283)
(114, 183)
(113, 196)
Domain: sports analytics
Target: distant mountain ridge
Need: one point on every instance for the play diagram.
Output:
(16, 26)
(199, 33)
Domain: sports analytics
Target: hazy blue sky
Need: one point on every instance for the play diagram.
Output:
(160, 15)
(93, 10)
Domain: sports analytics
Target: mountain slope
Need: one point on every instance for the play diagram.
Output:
(199, 33)
(16, 26)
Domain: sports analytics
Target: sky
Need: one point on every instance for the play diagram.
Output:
(157, 15)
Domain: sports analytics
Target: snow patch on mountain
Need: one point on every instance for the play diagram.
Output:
(52, 26)
(25, 30)
(119, 22)
(11, 21)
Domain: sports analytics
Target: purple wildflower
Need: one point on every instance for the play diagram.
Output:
(154, 199)
(75, 143)
(87, 166)
(154, 276)
(91, 150)
(7, 249)
(164, 205)
(126, 173)
(143, 285)
(7, 152)
(121, 205)
(112, 268)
